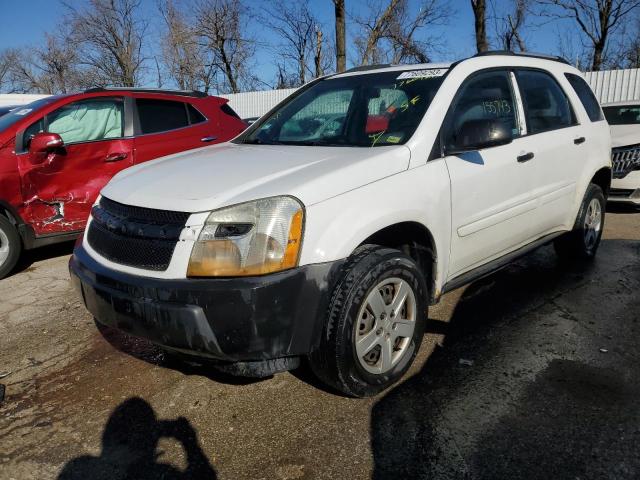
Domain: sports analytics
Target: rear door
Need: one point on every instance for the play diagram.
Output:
(97, 145)
(164, 127)
(491, 205)
(558, 144)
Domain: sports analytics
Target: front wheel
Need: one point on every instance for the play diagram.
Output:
(583, 241)
(10, 246)
(375, 323)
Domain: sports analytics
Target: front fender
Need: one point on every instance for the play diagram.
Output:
(337, 226)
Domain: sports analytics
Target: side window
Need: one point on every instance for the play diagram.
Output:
(545, 104)
(226, 109)
(194, 115)
(161, 115)
(486, 96)
(588, 99)
(87, 120)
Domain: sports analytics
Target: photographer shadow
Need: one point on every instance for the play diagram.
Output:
(130, 448)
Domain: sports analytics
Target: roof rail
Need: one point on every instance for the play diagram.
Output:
(522, 54)
(363, 68)
(185, 93)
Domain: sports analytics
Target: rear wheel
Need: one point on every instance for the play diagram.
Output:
(375, 324)
(583, 241)
(10, 246)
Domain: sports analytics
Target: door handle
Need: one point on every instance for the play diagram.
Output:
(525, 157)
(208, 139)
(116, 157)
(579, 140)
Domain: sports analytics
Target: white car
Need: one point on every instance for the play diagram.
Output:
(328, 227)
(624, 119)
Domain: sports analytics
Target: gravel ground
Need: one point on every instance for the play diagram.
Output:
(531, 373)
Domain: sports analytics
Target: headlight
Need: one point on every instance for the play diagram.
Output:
(252, 238)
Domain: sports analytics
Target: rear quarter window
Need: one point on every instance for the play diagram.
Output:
(226, 109)
(161, 115)
(586, 96)
(545, 103)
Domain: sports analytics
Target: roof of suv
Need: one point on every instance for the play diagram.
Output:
(430, 66)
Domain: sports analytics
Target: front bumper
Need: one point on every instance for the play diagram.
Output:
(626, 190)
(231, 319)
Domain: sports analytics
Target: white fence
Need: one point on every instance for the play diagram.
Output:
(615, 85)
(609, 86)
(8, 99)
(255, 104)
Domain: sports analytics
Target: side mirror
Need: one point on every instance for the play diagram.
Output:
(478, 134)
(45, 142)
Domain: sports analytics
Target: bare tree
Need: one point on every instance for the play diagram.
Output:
(375, 27)
(341, 55)
(187, 60)
(6, 60)
(596, 19)
(390, 31)
(295, 26)
(509, 26)
(110, 35)
(318, 55)
(220, 26)
(51, 68)
(480, 15)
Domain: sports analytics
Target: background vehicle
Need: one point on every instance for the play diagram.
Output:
(327, 228)
(624, 119)
(58, 152)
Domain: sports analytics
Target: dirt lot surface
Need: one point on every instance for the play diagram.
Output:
(533, 372)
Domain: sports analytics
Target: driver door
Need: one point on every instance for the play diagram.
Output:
(492, 205)
(61, 187)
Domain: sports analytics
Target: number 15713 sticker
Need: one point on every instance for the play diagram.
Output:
(430, 73)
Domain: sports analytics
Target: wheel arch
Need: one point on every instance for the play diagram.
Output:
(11, 213)
(602, 178)
(416, 241)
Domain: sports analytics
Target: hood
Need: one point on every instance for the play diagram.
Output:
(226, 174)
(625, 135)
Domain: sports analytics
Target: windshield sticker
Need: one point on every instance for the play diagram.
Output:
(393, 139)
(24, 111)
(419, 74)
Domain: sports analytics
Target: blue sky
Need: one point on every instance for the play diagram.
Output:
(25, 21)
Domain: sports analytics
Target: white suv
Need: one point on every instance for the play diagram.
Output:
(624, 119)
(328, 227)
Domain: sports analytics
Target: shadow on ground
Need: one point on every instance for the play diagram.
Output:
(130, 448)
(533, 404)
(29, 257)
(144, 350)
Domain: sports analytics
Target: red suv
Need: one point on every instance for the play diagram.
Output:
(57, 153)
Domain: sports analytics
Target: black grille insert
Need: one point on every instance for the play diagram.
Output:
(135, 236)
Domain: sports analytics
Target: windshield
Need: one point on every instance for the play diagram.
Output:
(18, 113)
(622, 115)
(369, 110)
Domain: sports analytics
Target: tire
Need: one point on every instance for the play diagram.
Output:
(10, 246)
(372, 273)
(583, 241)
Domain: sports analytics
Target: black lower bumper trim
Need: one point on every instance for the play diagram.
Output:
(231, 319)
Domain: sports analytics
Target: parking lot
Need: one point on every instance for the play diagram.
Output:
(530, 373)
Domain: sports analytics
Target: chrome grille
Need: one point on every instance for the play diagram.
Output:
(625, 160)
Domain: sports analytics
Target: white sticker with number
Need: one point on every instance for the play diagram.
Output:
(431, 73)
(24, 111)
